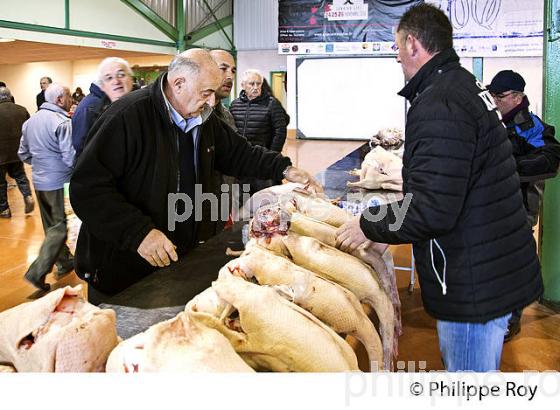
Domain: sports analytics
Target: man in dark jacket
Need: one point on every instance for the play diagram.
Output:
(536, 151)
(146, 150)
(475, 255)
(12, 117)
(260, 118)
(114, 79)
(226, 63)
(43, 83)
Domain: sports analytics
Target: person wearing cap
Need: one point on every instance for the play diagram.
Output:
(536, 151)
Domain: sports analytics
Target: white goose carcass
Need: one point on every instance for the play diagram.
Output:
(269, 227)
(268, 331)
(176, 345)
(334, 305)
(294, 197)
(376, 255)
(58, 333)
(380, 169)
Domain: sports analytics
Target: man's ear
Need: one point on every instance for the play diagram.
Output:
(178, 82)
(413, 45)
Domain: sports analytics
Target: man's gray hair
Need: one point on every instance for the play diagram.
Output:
(5, 94)
(250, 72)
(111, 60)
(182, 64)
(54, 91)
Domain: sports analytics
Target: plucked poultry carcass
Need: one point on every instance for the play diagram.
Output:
(388, 138)
(294, 197)
(381, 169)
(58, 333)
(375, 255)
(330, 263)
(268, 331)
(334, 305)
(176, 345)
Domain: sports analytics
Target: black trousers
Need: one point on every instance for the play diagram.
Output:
(16, 171)
(53, 249)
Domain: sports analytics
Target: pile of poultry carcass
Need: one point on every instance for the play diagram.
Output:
(283, 304)
(382, 166)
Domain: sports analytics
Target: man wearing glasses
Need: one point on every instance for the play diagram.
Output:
(114, 79)
(536, 151)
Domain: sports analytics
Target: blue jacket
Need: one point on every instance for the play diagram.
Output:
(46, 144)
(87, 112)
(537, 154)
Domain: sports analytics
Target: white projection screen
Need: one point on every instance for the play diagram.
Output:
(348, 98)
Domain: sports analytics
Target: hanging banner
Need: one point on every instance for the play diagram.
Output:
(339, 26)
(496, 28)
(482, 28)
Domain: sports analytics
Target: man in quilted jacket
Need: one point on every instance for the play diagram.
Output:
(475, 254)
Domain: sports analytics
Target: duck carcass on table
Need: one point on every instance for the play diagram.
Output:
(176, 345)
(381, 169)
(268, 331)
(270, 227)
(334, 305)
(376, 255)
(58, 333)
(294, 197)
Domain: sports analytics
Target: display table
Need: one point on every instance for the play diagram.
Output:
(166, 291)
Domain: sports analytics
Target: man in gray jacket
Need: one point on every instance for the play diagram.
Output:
(46, 144)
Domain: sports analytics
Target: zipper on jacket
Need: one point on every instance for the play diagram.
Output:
(246, 115)
(178, 163)
(442, 279)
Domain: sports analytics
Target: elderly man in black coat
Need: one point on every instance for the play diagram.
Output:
(142, 183)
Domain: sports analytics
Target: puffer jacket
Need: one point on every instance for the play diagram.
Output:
(262, 121)
(475, 255)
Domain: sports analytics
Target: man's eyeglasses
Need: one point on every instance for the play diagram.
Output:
(503, 95)
(110, 77)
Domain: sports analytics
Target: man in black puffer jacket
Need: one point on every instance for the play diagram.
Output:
(475, 255)
(260, 118)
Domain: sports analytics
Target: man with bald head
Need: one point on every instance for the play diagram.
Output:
(149, 148)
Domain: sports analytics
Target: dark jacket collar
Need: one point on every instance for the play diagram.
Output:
(440, 63)
(157, 96)
(263, 97)
(98, 92)
(519, 114)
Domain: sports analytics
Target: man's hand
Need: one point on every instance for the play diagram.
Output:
(303, 177)
(349, 236)
(157, 249)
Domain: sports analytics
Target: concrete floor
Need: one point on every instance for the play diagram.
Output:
(537, 347)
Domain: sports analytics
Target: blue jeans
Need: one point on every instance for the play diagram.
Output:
(473, 347)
